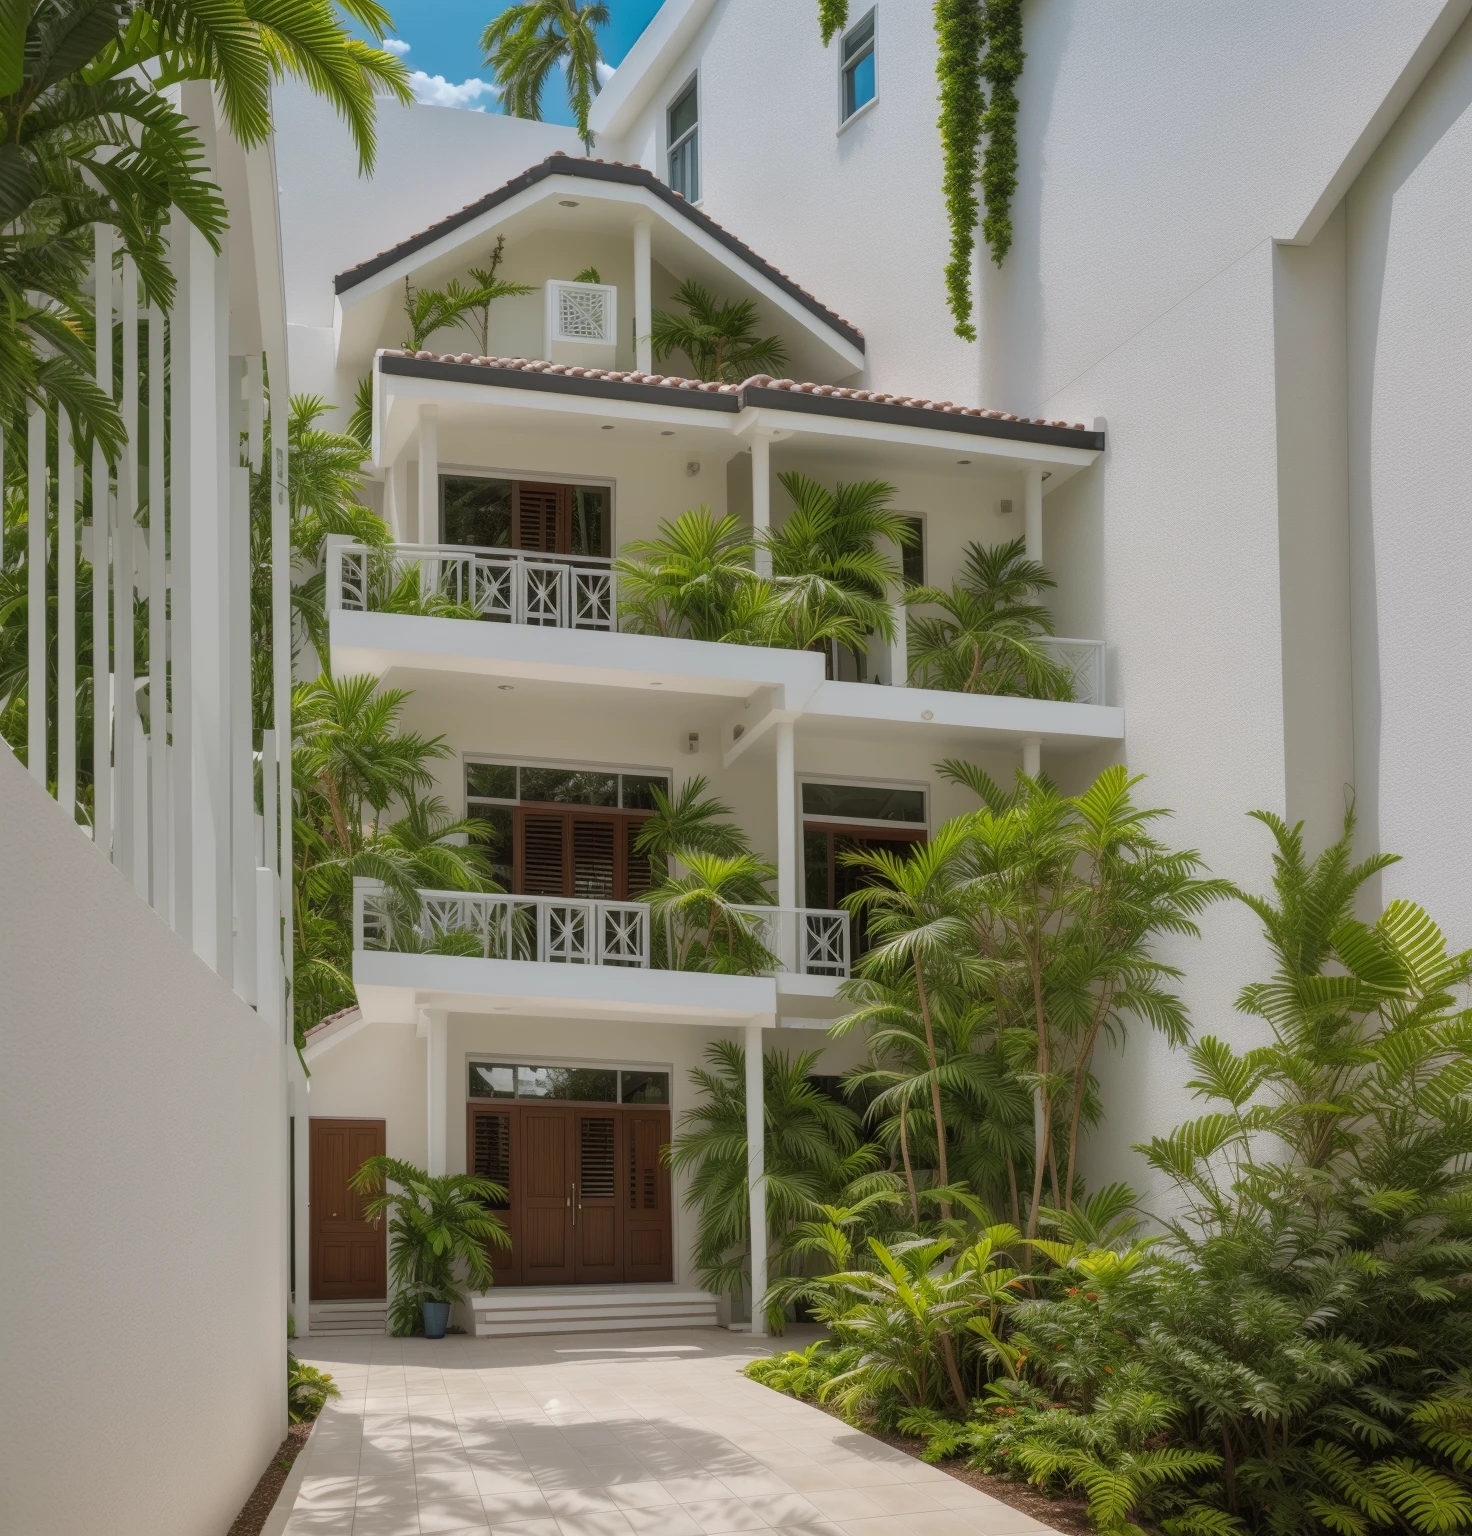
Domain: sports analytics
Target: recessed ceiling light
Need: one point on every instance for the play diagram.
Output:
(567, 202)
(656, 685)
(608, 429)
(505, 688)
(666, 434)
(963, 461)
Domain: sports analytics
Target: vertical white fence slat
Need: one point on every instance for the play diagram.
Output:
(36, 594)
(125, 699)
(101, 687)
(281, 669)
(240, 724)
(66, 616)
(158, 632)
(182, 407)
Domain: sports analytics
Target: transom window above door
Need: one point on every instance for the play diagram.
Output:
(557, 830)
(585, 1085)
(542, 517)
(849, 803)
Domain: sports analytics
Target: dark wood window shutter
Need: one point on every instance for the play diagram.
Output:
(492, 1150)
(542, 518)
(594, 876)
(596, 1157)
(541, 854)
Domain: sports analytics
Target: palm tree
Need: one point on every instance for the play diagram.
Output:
(826, 556)
(717, 336)
(526, 42)
(685, 581)
(813, 1152)
(985, 640)
(697, 910)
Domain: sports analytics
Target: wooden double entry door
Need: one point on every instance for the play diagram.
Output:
(589, 1192)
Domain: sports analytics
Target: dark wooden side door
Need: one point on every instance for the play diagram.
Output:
(597, 1230)
(349, 1259)
(546, 1190)
(646, 1196)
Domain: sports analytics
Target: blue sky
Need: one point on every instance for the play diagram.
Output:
(443, 50)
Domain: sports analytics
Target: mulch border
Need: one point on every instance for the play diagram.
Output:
(252, 1518)
(1071, 1516)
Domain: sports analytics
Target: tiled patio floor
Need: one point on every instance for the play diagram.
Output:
(602, 1435)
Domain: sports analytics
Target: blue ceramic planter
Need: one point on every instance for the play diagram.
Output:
(436, 1318)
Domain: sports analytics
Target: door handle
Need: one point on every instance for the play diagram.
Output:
(572, 1200)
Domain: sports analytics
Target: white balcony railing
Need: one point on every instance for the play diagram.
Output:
(1084, 660)
(568, 931)
(807, 941)
(555, 591)
(547, 928)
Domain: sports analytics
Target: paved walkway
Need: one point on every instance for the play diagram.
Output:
(652, 1433)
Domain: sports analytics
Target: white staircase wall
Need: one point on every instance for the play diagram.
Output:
(590, 1309)
(143, 1135)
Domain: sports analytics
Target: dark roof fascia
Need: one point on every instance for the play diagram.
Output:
(919, 416)
(771, 399)
(558, 384)
(593, 170)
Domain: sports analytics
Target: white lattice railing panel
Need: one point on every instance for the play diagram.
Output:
(582, 315)
(546, 928)
(808, 941)
(1084, 660)
(549, 591)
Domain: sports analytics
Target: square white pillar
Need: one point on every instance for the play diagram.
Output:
(761, 499)
(756, 1173)
(1032, 502)
(787, 838)
(429, 475)
(643, 298)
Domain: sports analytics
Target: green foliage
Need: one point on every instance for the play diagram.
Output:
(687, 580)
(1000, 68)
(588, 275)
(717, 336)
(985, 638)
(960, 32)
(697, 911)
(307, 1390)
(429, 310)
(813, 1150)
(439, 1229)
(832, 18)
(526, 42)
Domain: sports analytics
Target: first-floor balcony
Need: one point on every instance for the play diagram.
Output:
(558, 930)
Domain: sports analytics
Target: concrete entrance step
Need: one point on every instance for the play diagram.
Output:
(590, 1309)
(357, 1317)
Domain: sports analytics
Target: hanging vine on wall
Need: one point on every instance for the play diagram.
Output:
(979, 41)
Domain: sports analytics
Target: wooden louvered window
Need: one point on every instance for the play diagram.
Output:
(582, 854)
(491, 1151)
(542, 517)
(593, 864)
(596, 1157)
(540, 868)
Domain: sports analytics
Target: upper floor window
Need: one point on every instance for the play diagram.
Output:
(684, 138)
(857, 64)
(490, 513)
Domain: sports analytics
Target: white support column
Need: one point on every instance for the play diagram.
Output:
(436, 1070)
(128, 854)
(209, 579)
(182, 409)
(761, 499)
(101, 577)
(643, 297)
(396, 496)
(1032, 503)
(242, 759)
(429, 475)
(787, 840)
(756, 1173)
(1032, 756)
(158, 622)
(36, 596)
(66, 616)
(281, 670)
(899, 647)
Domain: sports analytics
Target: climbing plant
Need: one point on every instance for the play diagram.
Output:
(980, 44)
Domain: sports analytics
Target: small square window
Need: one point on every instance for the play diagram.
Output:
(492, 1082)
(490, 781)
(858, 66)
(645, 1087)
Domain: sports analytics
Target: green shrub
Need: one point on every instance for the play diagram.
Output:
(307, 1390)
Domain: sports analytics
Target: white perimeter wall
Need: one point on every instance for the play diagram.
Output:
(143, 1138)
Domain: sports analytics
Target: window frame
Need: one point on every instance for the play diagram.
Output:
(691, 87)
(495, 1058)
(846, 781)
(535, 476)
(846, 67)
(508, 760)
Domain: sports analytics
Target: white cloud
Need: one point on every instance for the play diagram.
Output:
(605, 72)
(395, 45)
(436, 91)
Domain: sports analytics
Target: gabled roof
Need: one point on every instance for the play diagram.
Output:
(605, 171)
(759, 390)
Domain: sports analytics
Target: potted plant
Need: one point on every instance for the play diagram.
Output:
(439, 1229)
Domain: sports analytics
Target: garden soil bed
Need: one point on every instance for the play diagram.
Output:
(1067, 1515)
(259, 1505)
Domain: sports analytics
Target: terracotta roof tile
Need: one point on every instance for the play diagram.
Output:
(757, 381)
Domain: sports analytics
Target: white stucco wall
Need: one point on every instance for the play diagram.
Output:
(142, 1128)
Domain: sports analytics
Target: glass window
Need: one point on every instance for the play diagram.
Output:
(858, 66)
(496, 833)
(492, 1082)
(684, 136)
(638, 790)
(864, 802)
(590, 520)
(645, 1087)
(490, 781)
(598, 1085)
(912, 555)
(475, 511)
(569, 786)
